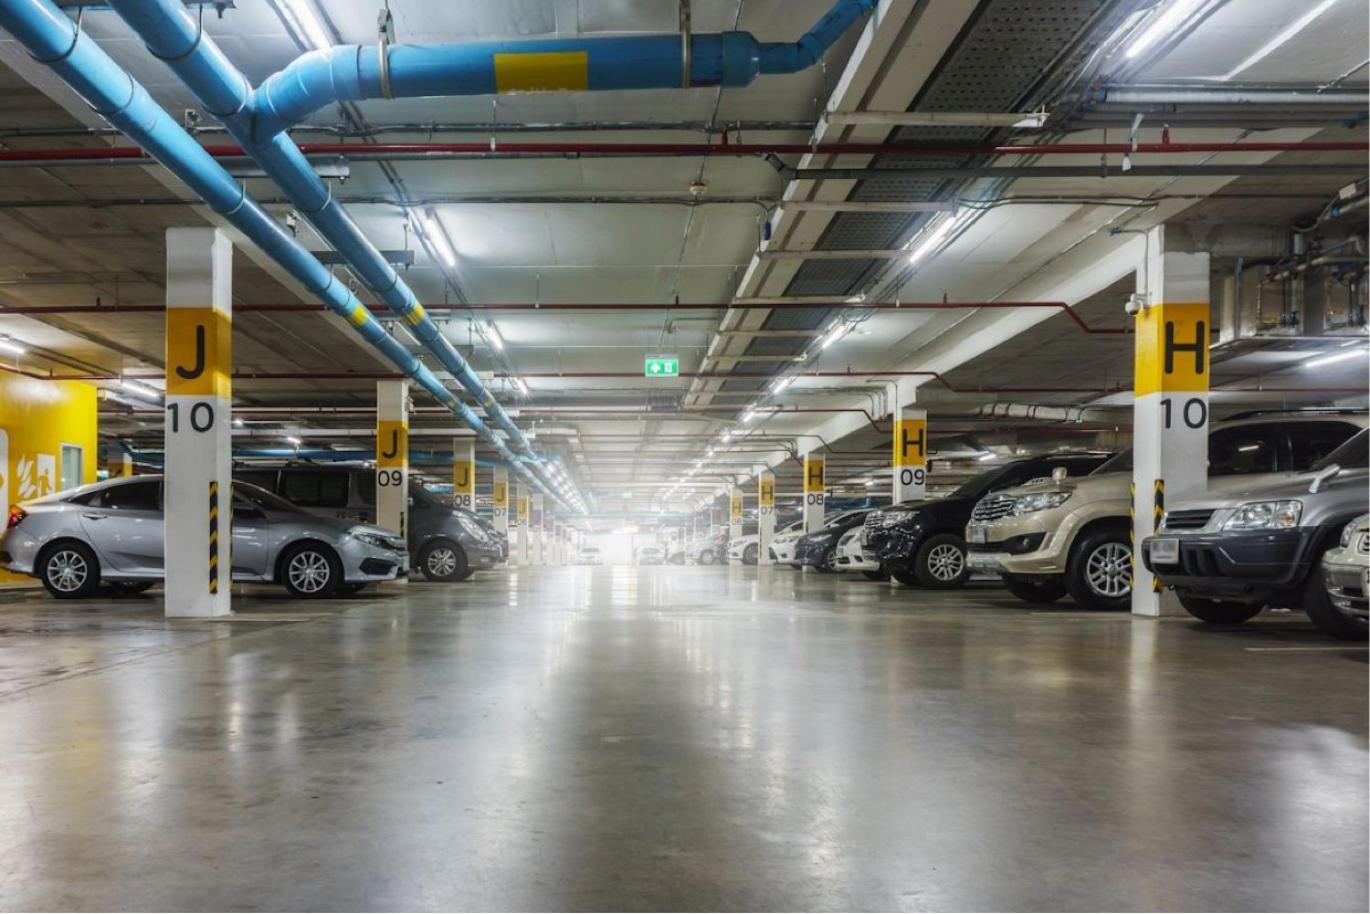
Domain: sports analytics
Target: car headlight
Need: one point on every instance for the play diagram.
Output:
(1265, 515)
(821, 537)
(1346, 533)
(372, 539)
(1042, 501)
(473, 529)
(890, 518)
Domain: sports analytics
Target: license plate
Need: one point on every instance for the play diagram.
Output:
(976, 534)
(1165, 551)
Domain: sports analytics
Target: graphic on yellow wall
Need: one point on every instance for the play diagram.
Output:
(47, 438)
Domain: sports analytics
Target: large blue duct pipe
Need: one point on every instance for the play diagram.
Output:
(53, 39)
(174, 36)
(354, 72)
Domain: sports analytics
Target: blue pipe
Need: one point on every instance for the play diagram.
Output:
(53, 39)
(174, 36)
(353, 72)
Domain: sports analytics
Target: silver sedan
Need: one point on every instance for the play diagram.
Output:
(112, 533)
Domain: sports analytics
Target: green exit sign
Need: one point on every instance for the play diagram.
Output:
(661, 366)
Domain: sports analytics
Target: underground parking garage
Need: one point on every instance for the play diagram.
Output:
(675, 455)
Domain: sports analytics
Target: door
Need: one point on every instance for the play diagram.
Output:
(71, 469)
(251, 541)
(125, 526)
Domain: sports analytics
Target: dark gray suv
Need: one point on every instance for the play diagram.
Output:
(445, 543)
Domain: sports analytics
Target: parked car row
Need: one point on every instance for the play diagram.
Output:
(1282, 522)
(308, 528)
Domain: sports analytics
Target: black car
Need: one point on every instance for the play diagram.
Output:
(921, 542)
(819, 549)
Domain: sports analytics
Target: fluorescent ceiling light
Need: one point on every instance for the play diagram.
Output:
(293, 440)
(493, 338)
(141, 390)
(522, 387)
(239, 422)
(749, 415)
(1335, 357)
(10, 346)
(930, 240)
(432, 230)
(1161, 26)
(302, 19)
(987, 455)
(781, 384)
(1265, 50)
(836, 333)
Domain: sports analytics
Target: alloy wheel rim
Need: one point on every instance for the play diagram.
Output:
(309, 572)
(442, 561)
(945, 562)
(67, 570)
(1108, 570)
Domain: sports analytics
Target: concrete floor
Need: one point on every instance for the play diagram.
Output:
(675, 738)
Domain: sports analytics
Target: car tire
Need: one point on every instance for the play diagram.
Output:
(750, 554)
(444, 561)
(310, 571)
(1317, 602)
(1041, 590)
(941, 562)
(1099, 572)
(70, 571)
(706, 557)
(881, 575)
(907, 578)
(828, 563)
(1218, 612)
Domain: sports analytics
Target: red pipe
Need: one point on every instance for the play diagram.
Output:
(607, 306)
(694, 149)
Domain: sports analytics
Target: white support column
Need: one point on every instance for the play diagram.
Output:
(1170, 406)
(765, 516)
(524, 518)
(392, 456)
(198, 490)
(734, 514)
(814, 489)
(464, 474)
(501, 500)
(537, 547)
(910, 457)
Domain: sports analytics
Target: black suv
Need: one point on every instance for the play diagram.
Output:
(818, 549)
(920, 543)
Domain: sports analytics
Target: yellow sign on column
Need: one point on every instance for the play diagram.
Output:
(813, 475)
(735, 506)
(1172, 349)
(501, 494)
(522, 508)
(910, 442)
(392, 445)
(765, 492)
(464, 479)
(199, 353)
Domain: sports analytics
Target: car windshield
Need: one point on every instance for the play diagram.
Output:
(1354, 454)
(977, 486)
(420, 494)
(1120, 462)
(263, 499)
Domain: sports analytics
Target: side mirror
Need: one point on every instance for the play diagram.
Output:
(1059, 474)
(1326, 473)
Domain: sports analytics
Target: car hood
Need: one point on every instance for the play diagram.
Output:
(1236, 490)
(1106, 485)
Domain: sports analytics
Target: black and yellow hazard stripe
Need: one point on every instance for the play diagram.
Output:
(1132, 531)
(1157, 512)
(213, 536)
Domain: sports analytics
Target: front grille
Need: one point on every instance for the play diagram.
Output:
(872, 521)
(377, 566)
(1187, 520)
(991, 509)
(1363, 547)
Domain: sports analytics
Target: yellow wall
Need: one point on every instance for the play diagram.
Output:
(36, 419)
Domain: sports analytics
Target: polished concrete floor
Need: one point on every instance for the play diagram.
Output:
(675, 738)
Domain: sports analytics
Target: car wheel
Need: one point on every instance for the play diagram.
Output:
(907, 578)
(311, 570)
(706, 557)
(1099, 573)
(1040, 590)
(828, 563)
(1218, 612)
(941, 562)
(443, 560)
(750, 554)
(881, 575)
(1317, 602)
(70, 570)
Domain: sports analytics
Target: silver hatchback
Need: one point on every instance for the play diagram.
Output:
(112, 533)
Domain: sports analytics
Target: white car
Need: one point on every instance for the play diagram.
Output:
(651, 555)
(589, 555)
(851, 558)
(744, 550)
(783, 543)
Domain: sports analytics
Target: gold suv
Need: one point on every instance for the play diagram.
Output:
(1070, 535)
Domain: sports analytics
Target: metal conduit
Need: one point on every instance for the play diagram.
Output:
(172, 35)
(54, 40)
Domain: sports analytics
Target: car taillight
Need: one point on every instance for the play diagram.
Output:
(16, 515)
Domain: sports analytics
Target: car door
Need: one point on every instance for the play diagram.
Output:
(251, 541)
(125, 526)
